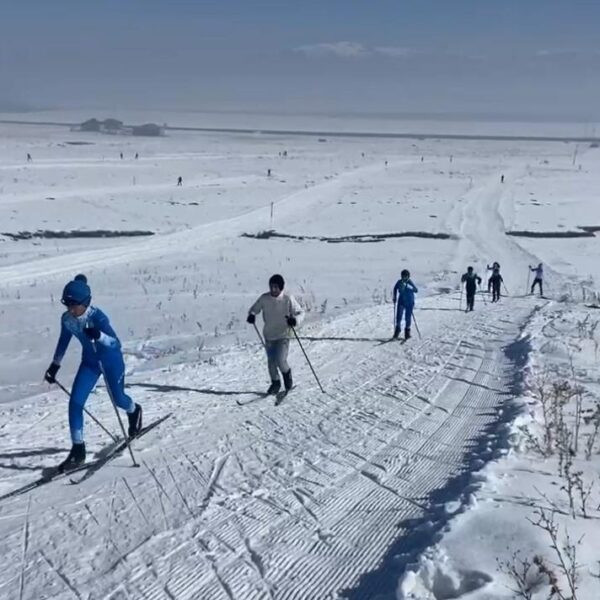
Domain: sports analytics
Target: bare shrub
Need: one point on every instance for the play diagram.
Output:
(565, 553)
(525, 574)
(594, 420)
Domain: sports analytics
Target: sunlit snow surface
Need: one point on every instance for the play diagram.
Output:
(327, 494)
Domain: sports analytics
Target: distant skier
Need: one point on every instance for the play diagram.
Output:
(502, 179)
(471, 280)
(29, 159)
(280, 312)
(496, 281)
(136, 156)
(495, 267)
(538, 279)
(404, 299)
(101, 350)
(180, 181)
(268, 172)
(121, 155)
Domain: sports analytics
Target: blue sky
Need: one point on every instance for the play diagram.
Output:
(527, 57)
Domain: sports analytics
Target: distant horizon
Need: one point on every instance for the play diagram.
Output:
(460, 116)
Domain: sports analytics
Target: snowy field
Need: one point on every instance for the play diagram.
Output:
(417, 473)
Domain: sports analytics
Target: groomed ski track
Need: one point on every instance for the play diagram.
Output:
(311, 499)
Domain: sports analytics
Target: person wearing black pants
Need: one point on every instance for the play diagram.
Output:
(471, 281)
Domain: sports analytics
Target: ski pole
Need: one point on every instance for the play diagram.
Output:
(87, 412)
(506, 289)
(394, 315)
(528, 274)
(460, 300)
(259, 336)
(417, 326)
(306, 356)
(112, 399)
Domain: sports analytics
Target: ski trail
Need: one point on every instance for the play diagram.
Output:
(311, 496)
(192, 239)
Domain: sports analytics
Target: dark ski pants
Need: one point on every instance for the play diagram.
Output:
(84, 383)
(540, 283)
(495, 291)
(277, 353)
(407, 311)
(470, 299)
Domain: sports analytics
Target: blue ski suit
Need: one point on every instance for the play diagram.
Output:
(107, 352)
(404, 297)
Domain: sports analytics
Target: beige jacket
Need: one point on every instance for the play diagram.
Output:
(274, 311)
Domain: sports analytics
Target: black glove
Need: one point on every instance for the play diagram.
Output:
(291, 321)
(251, 319)
(93, 333)
(51, 371)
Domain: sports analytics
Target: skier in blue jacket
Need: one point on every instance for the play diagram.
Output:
(404, 299)
(101, 351)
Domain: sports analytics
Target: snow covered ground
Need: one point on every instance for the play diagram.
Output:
(381, 487)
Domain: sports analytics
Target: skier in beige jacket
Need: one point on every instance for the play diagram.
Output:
(280, 312)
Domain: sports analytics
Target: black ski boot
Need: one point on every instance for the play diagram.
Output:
(135, 421)
(274, 387)
(407, 334)
(75, 459)
(396, 333)
(287, 381)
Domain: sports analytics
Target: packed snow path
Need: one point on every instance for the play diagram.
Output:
(310, 499)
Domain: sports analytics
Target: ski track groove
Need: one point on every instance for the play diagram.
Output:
(60, 576)
(25, 544)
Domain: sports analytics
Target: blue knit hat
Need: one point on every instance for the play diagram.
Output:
(77, 292)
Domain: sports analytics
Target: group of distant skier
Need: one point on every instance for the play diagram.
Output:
(405, 290)
(102, 355)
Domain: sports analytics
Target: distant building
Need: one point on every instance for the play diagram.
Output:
(149, 129)
(91, 125)
(112, 125)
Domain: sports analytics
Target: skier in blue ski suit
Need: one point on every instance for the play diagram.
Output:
(101, 351)
(404, 299)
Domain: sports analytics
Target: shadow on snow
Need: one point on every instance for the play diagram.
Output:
(155, 387)
(426, 530)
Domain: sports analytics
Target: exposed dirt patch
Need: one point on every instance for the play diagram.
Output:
(98, 233)
(366, 238)
(551, 234)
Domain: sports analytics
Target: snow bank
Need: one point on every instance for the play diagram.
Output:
(437, 578)
(536, 521)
